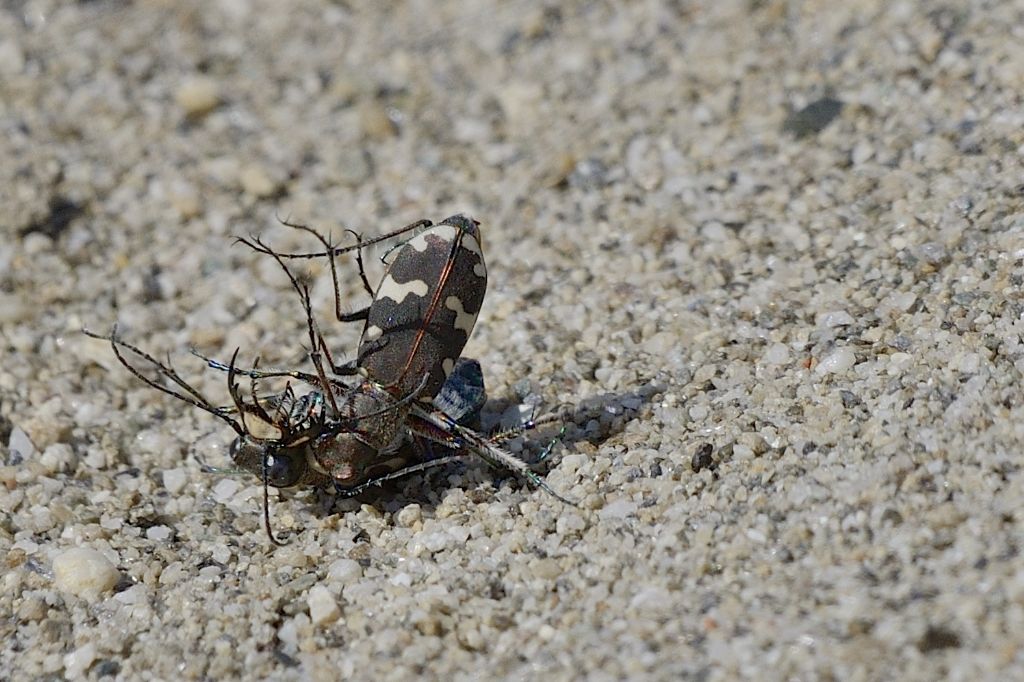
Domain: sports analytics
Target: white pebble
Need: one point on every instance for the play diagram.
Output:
(345, 571)
(837, 362)
(154, 442)
(643, 162)
(834, 318)
(699, 413)
(323, 608)
(57, 457)
(84, 572)
(899, 363)
(742, 453)
(198, 96)
(459, 533)
(569, 523)
(210, 574)
(618, 509)
(755, 535)
(158, 533)
(79, 660)
(111, 522)
(256, 181)
(26, 545)
(777, 354)
(904, 300)
(220, 553)
(435, 542)
(225, 490)
(861, 153)
(409, 515)
(661, 344)
(932, 253)
(651, 599)
(969, 363)
(174, 480)
(19, 442)
(186, 200)
(174, 572)
(401, 580)
(570, 464)
(136, 594)
(289, 635)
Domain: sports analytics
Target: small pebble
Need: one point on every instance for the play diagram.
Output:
(401, 579)
(661, 343)
(754, 441)
(225, 490)
(835, 318)
(198, 96)
(158, 533)
(813, 118)
(643, 162)
(78, 661)
(220, 553)
(702, 458)
(186, 201)
(345, 571)
(436, 541)
(32, 609)
(256, 182)
(172, 573)
(777, 354)
(459, 533)
(19, 443)
(837, 362)
(619, 509)
(904, 301)
(323, 608)
(57, 457)
(175, 480)
(546, 569)
(84, 572)
(374, 122)
(570, 523)
(409, 516)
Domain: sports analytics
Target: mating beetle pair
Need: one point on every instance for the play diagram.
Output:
(411, 385)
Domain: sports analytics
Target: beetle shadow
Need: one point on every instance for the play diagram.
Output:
(593, 420)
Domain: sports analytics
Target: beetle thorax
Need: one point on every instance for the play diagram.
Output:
(370, 424)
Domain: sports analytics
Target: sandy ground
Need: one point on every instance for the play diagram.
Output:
(772, 252)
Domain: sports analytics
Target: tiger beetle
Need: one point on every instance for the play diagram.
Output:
(415, 329)
(412, 389)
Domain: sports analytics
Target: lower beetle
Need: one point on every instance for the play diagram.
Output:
(411, 385)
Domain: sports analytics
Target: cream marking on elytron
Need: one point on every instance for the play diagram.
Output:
(397, 291)
(445, 233)
(463, 320)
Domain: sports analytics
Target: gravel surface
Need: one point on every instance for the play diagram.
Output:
(770, 252)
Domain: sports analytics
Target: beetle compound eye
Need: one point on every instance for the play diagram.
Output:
(285, 468)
